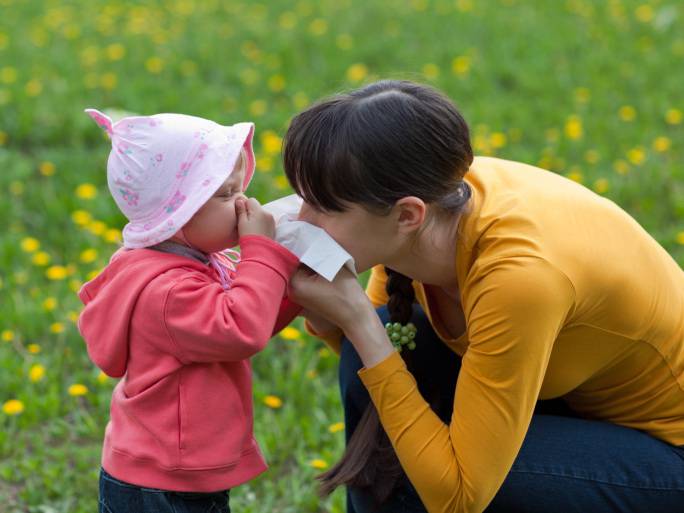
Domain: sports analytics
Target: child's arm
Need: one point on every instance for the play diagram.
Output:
(207, 323)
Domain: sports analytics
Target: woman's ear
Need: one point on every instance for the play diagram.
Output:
(410, 212)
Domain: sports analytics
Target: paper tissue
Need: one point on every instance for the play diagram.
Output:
(311, 244)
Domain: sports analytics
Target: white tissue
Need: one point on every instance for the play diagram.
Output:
(311, 244)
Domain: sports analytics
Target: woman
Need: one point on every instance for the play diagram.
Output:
(529, 287)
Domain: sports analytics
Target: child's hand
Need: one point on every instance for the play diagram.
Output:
(254, 220)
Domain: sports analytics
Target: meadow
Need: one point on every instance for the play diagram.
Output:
(588, 89)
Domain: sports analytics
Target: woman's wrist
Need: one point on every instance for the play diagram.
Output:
(369, 337)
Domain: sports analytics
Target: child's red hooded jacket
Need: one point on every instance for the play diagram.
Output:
(181, 417)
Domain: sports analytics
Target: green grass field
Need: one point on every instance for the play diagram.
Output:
(589, 89)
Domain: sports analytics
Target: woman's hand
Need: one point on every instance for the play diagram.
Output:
(343, 303)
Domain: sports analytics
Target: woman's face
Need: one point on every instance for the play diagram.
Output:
(367, 237)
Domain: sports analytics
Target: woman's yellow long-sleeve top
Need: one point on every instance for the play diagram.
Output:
(564, 295)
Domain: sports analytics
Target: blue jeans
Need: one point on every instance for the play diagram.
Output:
(566, 463)
(120, 497)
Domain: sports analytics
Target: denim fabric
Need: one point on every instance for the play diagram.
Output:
(566, 463)
(120, 497)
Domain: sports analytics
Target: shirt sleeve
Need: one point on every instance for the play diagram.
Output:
(375, 289)
(514, 310)
(209, 324)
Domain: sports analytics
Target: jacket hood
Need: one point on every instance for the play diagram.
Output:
(110, 299)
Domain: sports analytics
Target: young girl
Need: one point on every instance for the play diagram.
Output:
(178, 318)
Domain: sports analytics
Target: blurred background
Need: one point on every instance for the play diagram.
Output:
(592, 90)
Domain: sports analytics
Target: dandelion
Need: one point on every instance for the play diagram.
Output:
(357, 72)
(81, 217)
(276, 83)
(7, 335)
(56, 327)
(287, 20)
(41, 259)
(97, 227)
(273, 401)
(257, 108)
(36, 372)
(324, 352)
(271, 142)
(662, 144)
(92, 274)
(576, 176)
(115, 52)
(154, 65)
(56, 272)
(627, 113)
(89, 255)
(636, 156)
(108, 81)
(102, 378)
(50, 304)
(46, 168)
(86, 191)
(311, 373)
(431, 71)
(281, 182)
(582, 95)
(13, 407)
(8, 75)
(77, 389)
(264, 164)
(461, 65)
(673, 116)
(318, 464)
(34, 87)
(290, 333)
(29, 244)
(592, 156)
(601, 185)
(112, 235)
(680, 238)
(644, 13)
(337, 426)
(621, 167)
(318, 27)
(498, 140)
(573, 128)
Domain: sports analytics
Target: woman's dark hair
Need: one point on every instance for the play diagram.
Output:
(371, 147)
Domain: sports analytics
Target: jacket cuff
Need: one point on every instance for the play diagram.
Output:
(259, 248)
(381, 371)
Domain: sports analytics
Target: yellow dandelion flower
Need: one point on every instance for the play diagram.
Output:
(36, 372)
(636, 156)
(357, 72)
(7, 335)
(464, 5)
(97, 227)
(46, 168)
(264, 164)
(498, 140)
(81, 217)
(116, 52)
(154, 65)
(281, 182)
(461, 65)
(621, 167)
(337, 426)
(49, 304)
(13, 407)
(573, 128)
(89, 255)
(86, 191)
(662, 144)
(257, 108)
(276, 83)
(576, 176)
(56, 272)
(318, 463)
(290, 333)
(112, 235)
(431, 71)
(77, 389)
(92, 274)
(318, 27)
(102, 377)
(627, 113)
(273, 401)
(34, 87)
(73, 316)
(41, 258)
(324, 352)
(601, 185)
(644, 13)
(56, 327)
(8, 75)
(311, 373)
(592, 156)
(680, 238)
(287, 20)
(673, 116)
(344, 42)
(108, 80)
(29, 244)
(271, 142)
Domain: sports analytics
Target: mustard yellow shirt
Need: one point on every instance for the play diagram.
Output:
(564, 295)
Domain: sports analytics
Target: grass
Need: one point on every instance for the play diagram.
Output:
(591, 90)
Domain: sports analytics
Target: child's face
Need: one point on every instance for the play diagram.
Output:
(214, 226)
